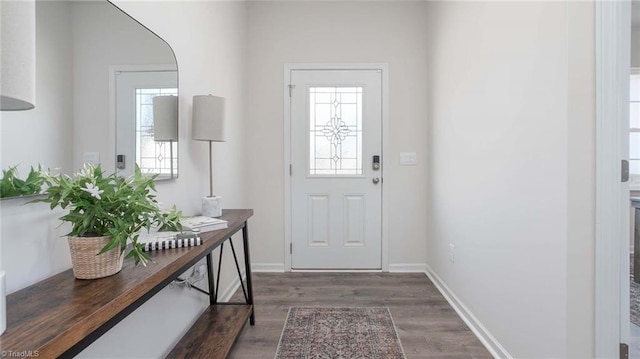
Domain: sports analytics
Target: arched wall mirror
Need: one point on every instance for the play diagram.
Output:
(144, 94)
(119, 68)
(97, 74)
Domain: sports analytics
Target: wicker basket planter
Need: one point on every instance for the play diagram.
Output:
(104, 205)
(88, 265)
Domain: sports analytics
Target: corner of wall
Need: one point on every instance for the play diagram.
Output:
(486, 338)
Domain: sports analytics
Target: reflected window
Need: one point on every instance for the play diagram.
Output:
(154, 157)
(135, 142)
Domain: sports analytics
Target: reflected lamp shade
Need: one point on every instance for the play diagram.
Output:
(17, 55)
(165, 118)
(208, 118)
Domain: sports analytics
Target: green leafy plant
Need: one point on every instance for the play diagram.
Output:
(12, 186)
(110, 205)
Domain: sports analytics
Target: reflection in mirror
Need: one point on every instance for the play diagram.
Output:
(165, 125)
(79, 46)
(146, 101)
(136, 117)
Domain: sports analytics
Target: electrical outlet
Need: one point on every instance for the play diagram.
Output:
(452, 252)
(199, 272)
(91, 158)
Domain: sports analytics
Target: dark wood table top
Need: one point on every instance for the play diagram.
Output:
(54, 314)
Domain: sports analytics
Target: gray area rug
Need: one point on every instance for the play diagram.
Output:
(339, 333)
(635, 303)
(634, 296)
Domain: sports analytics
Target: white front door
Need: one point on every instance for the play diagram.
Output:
(336, 173)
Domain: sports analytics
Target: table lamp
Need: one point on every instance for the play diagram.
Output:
(165, 123)
(208, 125)
(18, 55)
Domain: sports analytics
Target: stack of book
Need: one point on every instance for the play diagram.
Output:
(203, 224)
(168, 240)
(192, 227)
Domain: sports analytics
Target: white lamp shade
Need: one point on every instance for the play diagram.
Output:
(208, 118)
(165, 118)
(17, 55)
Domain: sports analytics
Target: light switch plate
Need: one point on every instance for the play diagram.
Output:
(408, 158)
(91, 158)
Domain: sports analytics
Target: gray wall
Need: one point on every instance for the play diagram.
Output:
(511, 172)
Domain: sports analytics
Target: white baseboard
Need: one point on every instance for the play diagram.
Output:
(407, 268)
(231, 289)
(267, 267)
(487, 339)
(393, 268)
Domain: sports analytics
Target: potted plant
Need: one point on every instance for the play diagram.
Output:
(105, 211)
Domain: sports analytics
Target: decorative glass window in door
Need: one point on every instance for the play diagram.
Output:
(153, 157)
(335, 131)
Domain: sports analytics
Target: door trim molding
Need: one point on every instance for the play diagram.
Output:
(287, 147)
(612, 35)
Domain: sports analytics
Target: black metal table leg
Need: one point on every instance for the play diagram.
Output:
(219, 270)
(212, 288)
(247, 264)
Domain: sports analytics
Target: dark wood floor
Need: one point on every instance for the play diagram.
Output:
(428, 327)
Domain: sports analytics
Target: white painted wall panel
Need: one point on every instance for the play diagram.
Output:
(581, 182)
(318, 221)
(507, 94)
(338, 32)
(354, 220)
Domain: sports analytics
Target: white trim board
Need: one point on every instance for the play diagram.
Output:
(407, 268)
(393, 268)
(486, 338)
(287, 147)
(267, 267)
(336, 271)
(613, 30)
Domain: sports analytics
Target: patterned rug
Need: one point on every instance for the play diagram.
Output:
(635, 303)
(339, 333)
(634, 293)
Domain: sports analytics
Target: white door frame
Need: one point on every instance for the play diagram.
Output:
(613, 28)
(109, 161)
(287, 148)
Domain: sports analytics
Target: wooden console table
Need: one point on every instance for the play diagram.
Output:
(61, 315)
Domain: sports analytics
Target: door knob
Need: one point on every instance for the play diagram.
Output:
(375, 180)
